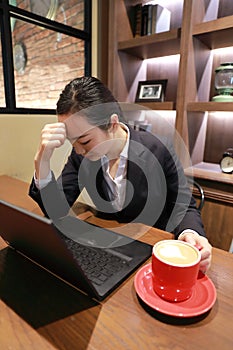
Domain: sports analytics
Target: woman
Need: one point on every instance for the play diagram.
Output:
(131, 176)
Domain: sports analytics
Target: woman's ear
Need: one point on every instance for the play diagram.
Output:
(114, 120)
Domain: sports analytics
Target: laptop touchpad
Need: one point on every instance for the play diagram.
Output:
(87, 234)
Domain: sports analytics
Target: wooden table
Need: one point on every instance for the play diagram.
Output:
(16, 192)
(38, 311)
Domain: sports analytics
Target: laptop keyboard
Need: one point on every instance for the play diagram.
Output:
(98, 264)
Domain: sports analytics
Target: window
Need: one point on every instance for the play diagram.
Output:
(50, 44)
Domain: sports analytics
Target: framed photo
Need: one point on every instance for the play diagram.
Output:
(151, 91)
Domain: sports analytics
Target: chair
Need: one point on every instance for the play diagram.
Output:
(198, 193)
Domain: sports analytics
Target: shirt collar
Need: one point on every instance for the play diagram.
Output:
(125, 150)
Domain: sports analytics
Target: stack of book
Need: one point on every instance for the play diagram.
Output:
(140, 125)
(151, 19)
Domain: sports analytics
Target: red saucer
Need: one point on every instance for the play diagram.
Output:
(201, 300)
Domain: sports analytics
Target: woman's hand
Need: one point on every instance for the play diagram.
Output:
(52, 136)
(202, 244)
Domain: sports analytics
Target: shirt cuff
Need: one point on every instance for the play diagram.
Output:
(188, 231)
(44, 182)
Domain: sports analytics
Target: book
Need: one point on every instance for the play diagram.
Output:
(144, 24)
(161, 18)
(138, 20)
(150, 19)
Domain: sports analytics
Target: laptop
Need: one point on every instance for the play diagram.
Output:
(90, 258)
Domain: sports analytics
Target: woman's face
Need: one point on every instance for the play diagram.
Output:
(87, 140)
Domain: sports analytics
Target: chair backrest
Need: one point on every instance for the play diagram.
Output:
(200, 195)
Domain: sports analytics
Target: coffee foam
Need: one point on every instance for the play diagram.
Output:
(176, 253)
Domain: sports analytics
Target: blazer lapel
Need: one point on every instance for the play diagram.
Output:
(135, 172)
(135, 162)
(96, 185)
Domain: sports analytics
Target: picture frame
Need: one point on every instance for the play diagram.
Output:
(151, 91)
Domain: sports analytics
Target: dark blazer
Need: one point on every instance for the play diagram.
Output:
(157, 193)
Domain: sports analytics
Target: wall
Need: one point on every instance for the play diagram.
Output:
(19, 139)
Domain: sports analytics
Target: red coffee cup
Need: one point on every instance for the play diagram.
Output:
(175, 266)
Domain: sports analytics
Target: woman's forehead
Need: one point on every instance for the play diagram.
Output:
(76, 126)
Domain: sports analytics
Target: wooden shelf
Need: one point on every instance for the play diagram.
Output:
(215, 34)
(158, 105)
(210, 171)
(155, 45)
(210, 106)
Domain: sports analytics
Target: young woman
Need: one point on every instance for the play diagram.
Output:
(131, 176)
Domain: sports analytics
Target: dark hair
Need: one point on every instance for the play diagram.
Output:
(88, 96)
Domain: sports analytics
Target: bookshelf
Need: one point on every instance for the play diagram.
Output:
(199, 39)
(154, 45)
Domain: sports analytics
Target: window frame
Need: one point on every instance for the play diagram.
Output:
(8, 11)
